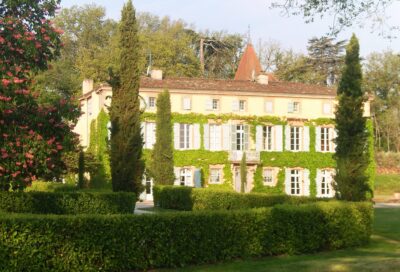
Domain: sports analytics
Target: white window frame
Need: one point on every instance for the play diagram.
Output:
(152, 102)
(325, 139)
(270, 179)
(325, 110)
(294, 107)
(186, 103)
(242, 105)
(324, 183)
(296, 182)
(267, 139)
(215, 137)
(215, 173)
(240, 137)
(215, 104)
(185, 176)
(149, 134)
(295, 138)
(185, 139)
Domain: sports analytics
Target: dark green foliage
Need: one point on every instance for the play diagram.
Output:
(81, 170)
(162, 168)
(127, 166)
(129, 242)
(67, 203)
(188, 199)
(243, 173)
(352, 152)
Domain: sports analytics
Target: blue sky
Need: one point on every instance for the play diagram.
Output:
(235, 16)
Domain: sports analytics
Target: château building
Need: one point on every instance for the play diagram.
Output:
(286, 129)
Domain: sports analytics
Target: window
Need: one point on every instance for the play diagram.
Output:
(185, 177)
(267, 138)
(149, 135)
(187, 103)
(215, 104)
(295, 182)
(324, 183)
(294, 107)
(152, 102)
(269, 107)
(215, 137)
(184, 136)
(294, 138)
(215, 175)
(239, 137)
(327, 108)
(242, 105)
(325, 146)
(269, 176)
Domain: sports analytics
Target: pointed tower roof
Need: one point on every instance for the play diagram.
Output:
(249, 65)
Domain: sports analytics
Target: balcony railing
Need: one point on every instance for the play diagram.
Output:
(251, 156)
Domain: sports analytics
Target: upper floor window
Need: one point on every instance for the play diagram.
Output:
(152, 102)
(239, 105)
(184, 136)
(327, 108)
(240, 137)
(295, 138)
(324, 139)
(269, 108)
(267, 138)
(215, 104)
(215, 132)
(294, 107)
(149, 134)
(187, 103)
(324, 183)
(242, 105)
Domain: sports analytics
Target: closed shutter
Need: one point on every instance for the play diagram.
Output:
(177, 171)
(306, 174)
(318, 182)
(287, 137)
(290, 107)
(235, 105)
(191, 136)
(278, 138)
(197, 138)
(268, 107)
(246, 137)
(335, 133)
(287, 181)
(187, 103)
(233, 137)
(259, 138)
(209, 104)
(206, 131)
(306, 134)
(176, 136)
(197, 178)
(226, 144)
(318, 139)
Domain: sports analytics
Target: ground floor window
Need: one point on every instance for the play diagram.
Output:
(269, 175)
(185, 177)
(215, 175)
(324, 183)
(295, 182)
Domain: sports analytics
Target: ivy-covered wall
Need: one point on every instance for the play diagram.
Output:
(202, 158)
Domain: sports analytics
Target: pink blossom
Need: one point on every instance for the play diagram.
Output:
(5, 82)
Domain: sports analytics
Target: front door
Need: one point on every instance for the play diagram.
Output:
(148, 189)
(237, 182)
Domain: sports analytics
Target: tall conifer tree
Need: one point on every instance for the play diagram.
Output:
(127, 165)
(351, 156)
(243, 173)
(162, 156)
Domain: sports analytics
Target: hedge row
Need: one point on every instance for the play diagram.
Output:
(188, 199)
(67, 203)
(129, 242)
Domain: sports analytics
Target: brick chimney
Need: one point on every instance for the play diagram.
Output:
(156, 74)
(87, 85)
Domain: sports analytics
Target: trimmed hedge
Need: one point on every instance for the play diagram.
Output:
(129, 242)
(67, 203)
(188, 199)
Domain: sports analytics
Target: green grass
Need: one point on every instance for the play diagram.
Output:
(387, 184)
(382, 254)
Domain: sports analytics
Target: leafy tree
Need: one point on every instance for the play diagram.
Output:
(33, 136)
(127, 165)
(243, 173)
(351, 155)
(162, 168)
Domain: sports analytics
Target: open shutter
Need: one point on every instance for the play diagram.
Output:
(259, 138)
(306, 174)
(290, 107)
(176, 136)
(318, 182)
(233, 137)
(197, 178)
(209, 104)
(177, 175)
(235, 105)
(278, 138)
(206, 131)
(226, 144)
(287, 181)
(246, 137)
(197, 139)
(306, 134)
(334, 132)
(318, 139)
(287, 137)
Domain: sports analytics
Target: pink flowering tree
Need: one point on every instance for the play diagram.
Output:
(33, 136)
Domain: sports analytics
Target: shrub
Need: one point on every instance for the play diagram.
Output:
(187, 199)
(129, 242)
(46, 186)
(67, 203)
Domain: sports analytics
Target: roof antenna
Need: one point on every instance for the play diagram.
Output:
(248, 34)
(150, 63)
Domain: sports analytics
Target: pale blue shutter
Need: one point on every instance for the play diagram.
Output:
(197, 178)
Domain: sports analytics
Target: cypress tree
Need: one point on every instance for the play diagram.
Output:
(162, 168)
(81, 170)
(351, 156)
(127, 165)
(243, 173)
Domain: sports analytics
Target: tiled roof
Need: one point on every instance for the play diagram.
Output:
(249, 66)
(275, 87)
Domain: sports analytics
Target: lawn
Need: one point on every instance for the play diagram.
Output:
(386, 185)
(382, 254)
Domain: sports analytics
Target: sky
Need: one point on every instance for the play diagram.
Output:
(235, 16)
